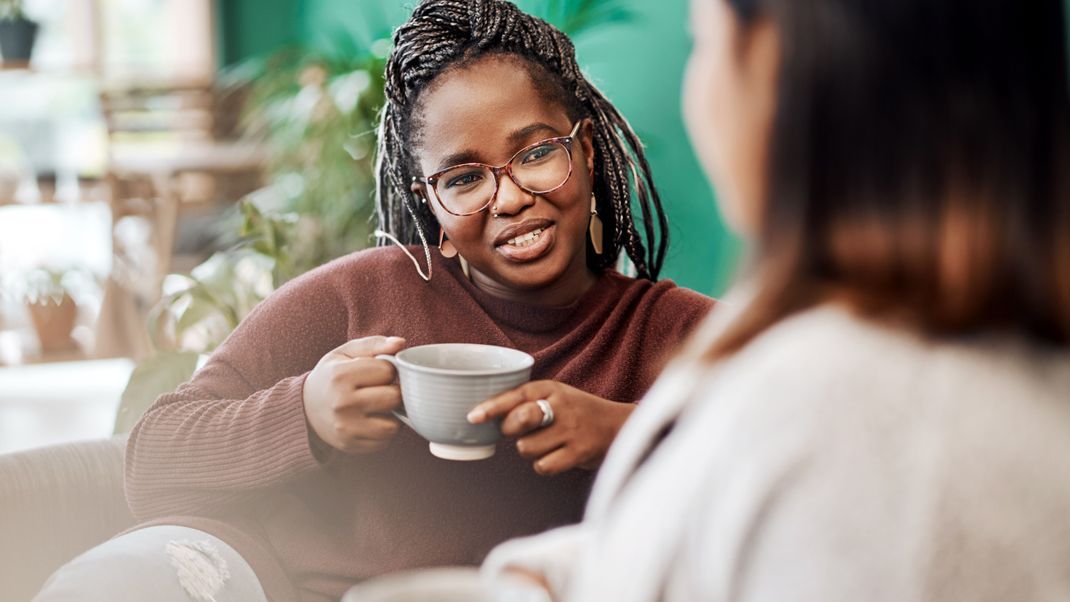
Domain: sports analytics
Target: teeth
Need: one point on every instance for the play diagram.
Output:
(527, 239)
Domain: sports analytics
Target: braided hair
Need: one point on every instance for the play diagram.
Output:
(443, 35)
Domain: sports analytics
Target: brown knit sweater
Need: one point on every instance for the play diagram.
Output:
(231, 453)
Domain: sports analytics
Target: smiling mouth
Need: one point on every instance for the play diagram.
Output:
(525, 240)
(529, 246)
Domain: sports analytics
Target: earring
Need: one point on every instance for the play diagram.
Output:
(423, 242)
(595, 229)
(445, 246)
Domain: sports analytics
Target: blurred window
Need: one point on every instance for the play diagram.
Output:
(53, 123)
(126, 40)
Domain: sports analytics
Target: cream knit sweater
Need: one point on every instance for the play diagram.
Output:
(832, 459)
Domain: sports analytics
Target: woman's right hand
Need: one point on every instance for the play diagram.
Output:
(348, 396)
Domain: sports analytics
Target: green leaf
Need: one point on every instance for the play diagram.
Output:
(158, 374)
(199, 309)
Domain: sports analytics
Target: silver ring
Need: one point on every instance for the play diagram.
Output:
(547, 413)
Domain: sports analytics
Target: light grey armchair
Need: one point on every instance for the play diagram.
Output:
(55, 503)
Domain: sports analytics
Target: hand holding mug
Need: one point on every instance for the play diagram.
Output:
(441, 383)
(579, 434)
(349, 395)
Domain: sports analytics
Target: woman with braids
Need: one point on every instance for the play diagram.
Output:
(505, 179)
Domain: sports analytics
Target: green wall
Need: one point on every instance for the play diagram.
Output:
(638, 64)
(253, 27)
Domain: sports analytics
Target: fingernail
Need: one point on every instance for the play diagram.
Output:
(477, 415)
(395, 340)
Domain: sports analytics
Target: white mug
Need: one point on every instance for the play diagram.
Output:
(441, 383)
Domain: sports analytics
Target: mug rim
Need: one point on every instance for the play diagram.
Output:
(529, 361)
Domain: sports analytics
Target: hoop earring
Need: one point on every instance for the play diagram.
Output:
(445, 246)
(595, 228)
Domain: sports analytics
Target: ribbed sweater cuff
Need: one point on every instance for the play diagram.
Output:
(295, 434)
(221, 447)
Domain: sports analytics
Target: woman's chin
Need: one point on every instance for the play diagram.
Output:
(546, 273)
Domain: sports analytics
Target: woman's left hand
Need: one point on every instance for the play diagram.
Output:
(581, 432)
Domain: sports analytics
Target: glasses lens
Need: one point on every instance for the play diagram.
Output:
(465, 189)
(542, 168)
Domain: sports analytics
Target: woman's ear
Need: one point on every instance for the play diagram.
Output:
(587, 143)
(421, 192)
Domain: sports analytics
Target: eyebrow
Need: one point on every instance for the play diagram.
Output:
(524, 133)
(515, 138)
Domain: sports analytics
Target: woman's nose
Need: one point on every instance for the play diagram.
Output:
(511, 198)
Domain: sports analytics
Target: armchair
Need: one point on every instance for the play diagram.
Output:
(55, 503)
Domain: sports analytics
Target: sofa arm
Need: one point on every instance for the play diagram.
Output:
(55, 503)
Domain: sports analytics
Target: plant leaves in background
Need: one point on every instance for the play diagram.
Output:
(315, 111)
(156, 375)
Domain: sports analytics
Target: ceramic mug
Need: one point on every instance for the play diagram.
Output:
(441, 383)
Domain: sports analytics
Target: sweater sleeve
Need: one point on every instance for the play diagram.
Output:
(239, 427)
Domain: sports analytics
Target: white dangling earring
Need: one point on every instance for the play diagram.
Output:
(423, 240)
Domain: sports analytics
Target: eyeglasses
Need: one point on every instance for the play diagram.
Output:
(539, 168)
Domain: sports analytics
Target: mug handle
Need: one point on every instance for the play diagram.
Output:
(399, 414)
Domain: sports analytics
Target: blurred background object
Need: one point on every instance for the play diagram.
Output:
(166, 164)
(17, 33)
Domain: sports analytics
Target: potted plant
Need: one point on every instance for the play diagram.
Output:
(17, 33)
(49, 294)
